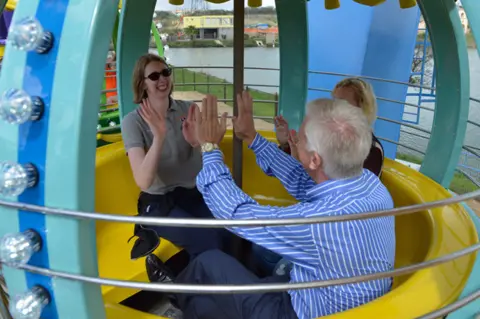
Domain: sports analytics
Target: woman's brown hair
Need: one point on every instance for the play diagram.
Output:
(138, 79)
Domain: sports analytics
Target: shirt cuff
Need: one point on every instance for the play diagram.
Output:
(215, 156)
(259, 144)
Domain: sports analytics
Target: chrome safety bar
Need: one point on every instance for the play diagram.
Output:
(257, 288)
(215, 223)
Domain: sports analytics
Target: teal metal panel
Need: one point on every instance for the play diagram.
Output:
(453, 89)
(133, 42)
(71, 149)
(472, 10)
(293, 37)
(473, 284)
(12, 76)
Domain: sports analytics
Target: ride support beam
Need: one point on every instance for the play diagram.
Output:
(238, 81)
(293, 38)
(453, 89)
(133, 42)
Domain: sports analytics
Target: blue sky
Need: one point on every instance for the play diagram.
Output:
(165, 6)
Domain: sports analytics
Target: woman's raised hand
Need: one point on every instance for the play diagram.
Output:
(188, 127)
(281, 129)
(292, 142)
(243, 124)
(155, 120)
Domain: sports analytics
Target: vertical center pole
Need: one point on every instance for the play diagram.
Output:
(238, 67)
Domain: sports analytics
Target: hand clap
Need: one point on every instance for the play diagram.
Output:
(243, 125)
(281, 130)
(155, 120)
(188, 127)
(207, 126)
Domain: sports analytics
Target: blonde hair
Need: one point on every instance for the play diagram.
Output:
(138, 78)
(364, 95)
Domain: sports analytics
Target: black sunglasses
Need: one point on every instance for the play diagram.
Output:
(154, 76)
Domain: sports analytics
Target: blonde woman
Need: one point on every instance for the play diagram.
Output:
(356, 92)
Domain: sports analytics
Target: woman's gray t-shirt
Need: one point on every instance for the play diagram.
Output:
(180, 163)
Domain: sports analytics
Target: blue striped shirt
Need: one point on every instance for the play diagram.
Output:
(321, 251)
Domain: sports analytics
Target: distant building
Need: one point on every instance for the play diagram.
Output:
(211, 27)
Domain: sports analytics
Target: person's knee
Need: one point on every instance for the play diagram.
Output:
(211, 256)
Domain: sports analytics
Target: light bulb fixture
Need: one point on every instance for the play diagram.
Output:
(166, 47)
(112, 124)
(17, 107)
(27, 34)
(15, 178)
(30, 304)
(18, 248)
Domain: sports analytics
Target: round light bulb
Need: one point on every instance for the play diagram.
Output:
(17, 107)
(27, 34)
(29, 305)
(166, 47)
(15, 178)
(159, 25)
(112, 124)
(18, 248)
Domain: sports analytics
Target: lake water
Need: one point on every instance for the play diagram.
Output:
(269, 58)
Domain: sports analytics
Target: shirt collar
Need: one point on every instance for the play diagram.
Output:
(336, 186)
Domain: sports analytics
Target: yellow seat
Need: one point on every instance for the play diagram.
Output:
(420, 236)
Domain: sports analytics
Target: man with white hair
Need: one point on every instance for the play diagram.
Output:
(334, 140)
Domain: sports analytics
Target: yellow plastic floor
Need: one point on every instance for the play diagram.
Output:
(420, 236)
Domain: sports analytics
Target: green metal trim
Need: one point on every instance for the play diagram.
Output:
(2, 5)
(158, 40)
(115, 32)
(472, 10)
(133, 42)
(293, 38)
(453, 89)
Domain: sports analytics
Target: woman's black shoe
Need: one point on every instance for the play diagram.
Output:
(156, 270)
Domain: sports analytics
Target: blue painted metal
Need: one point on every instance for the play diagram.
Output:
(13, 63)
(338, 41)
(71, 152)
(376, 41)
(293, 60)
(390, 49)
(38, 81)
(470, 311)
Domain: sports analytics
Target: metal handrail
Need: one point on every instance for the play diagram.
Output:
(452, 307)
(257, 288)
(216, 223)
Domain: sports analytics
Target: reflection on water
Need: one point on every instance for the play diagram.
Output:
(269, 58)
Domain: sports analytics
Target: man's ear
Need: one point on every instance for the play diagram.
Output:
(315, 161)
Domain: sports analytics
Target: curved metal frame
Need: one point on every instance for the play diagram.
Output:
(293, 59)
(70, 149)
(453, 88)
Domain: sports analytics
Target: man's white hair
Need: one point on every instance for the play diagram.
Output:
(341, 135)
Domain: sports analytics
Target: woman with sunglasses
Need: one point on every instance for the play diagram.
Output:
(160, 142)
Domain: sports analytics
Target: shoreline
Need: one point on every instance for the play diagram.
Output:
(251, 43)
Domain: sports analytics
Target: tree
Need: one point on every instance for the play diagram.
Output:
(428, 67)
(191, 32)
